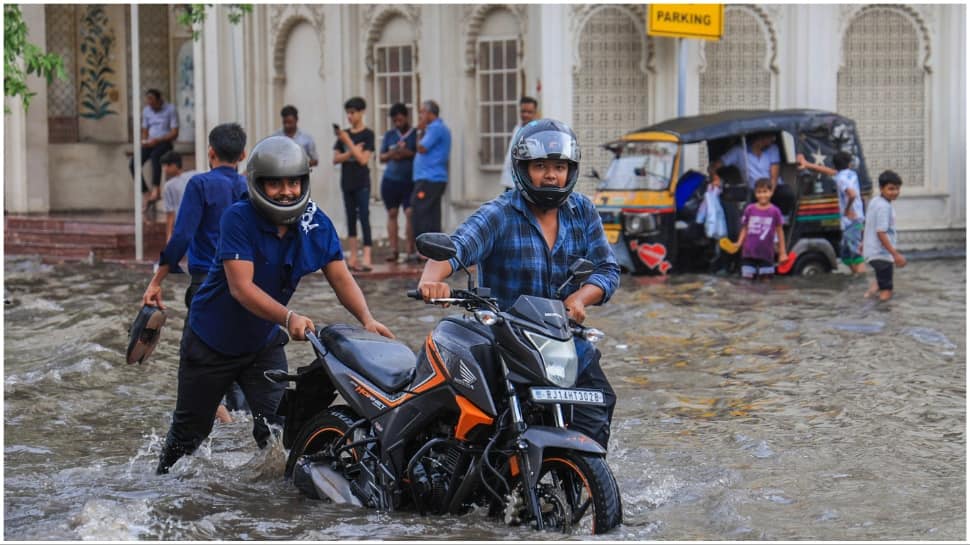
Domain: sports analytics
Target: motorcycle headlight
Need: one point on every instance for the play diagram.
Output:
(558, 357)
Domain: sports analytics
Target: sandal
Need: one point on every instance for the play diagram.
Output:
(392, 258)
(363, 268)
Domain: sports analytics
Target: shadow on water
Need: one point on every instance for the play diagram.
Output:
(793, 410)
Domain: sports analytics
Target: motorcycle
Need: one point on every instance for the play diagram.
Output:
(478, 418)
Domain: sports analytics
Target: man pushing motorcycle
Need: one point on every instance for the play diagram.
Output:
(240, 319)
(524, 241)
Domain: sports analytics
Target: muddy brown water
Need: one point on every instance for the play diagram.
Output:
(793, 410)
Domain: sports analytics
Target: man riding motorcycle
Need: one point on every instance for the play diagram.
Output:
(524, 241)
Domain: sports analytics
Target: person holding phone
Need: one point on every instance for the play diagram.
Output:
(352, 151)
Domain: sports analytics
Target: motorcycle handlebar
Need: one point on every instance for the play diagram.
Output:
(414, 294)
(317, 345)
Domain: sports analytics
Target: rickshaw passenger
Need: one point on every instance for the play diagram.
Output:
(760, 160)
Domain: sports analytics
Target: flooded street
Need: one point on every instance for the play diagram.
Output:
(793, 410)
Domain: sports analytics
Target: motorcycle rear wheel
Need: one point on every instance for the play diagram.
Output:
(318, 433)
(578, 494)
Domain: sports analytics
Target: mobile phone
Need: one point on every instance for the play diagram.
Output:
(336, 128)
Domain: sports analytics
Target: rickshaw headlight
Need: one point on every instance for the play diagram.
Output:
(637, 223)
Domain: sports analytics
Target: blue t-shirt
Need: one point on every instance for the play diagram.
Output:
(278, 265)
(432, 165)
(205, 198)
(399, 170)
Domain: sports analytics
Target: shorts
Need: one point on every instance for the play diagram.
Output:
(751, 268)
(884, 273)
(396, 193)
(851, 241)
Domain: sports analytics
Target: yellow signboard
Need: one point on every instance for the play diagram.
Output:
(705, 21)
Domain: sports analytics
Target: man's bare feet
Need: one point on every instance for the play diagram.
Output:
(885, 295)
(873, 288)
(222, 415)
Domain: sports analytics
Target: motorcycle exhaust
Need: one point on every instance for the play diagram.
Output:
(317, 479)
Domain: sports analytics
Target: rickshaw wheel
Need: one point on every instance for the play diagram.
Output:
(810, 265)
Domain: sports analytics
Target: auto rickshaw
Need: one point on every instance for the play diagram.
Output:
(649, 202)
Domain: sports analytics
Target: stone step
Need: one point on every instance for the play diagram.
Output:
(19, 223)
(28, 236)
(102, 237)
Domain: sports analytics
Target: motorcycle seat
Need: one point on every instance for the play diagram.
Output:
(389, 364)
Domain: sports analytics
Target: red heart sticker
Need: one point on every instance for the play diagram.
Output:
(664, 267)
(652, 254)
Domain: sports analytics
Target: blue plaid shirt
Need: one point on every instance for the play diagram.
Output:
(505, 240)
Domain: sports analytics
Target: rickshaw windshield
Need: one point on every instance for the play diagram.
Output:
(641, 165)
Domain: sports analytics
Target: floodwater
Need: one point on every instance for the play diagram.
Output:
(793, 410)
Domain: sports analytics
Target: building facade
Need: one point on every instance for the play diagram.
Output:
(898, 70)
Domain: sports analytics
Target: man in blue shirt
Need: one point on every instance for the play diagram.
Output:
(398, 148)
(204, 199)
(430, 169)
(524, 241)
(159, 129)
(761, 159)
(240, 321)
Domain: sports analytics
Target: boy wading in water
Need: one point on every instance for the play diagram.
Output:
(879, 237)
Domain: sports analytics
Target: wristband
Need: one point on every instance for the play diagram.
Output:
(287, 321)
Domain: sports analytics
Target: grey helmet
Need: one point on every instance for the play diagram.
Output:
(278, 157)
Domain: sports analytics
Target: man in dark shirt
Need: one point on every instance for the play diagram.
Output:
(205, 198)
(352, 152)
(267, 243)
(397, 153)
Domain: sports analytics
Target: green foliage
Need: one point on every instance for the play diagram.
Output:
(22, 58)
(96, 46)
(193, 15)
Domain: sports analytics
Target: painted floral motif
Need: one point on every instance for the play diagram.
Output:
(97, 38)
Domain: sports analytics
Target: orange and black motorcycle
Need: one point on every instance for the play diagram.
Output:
(477, 418)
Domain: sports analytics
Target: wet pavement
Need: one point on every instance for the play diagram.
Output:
(793, 410)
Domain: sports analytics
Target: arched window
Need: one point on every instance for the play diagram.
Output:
(610, 87)
(735, 73)
(881, 86)
(499, 84)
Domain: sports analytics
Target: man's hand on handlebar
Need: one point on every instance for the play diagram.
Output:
(299, 324)
(434, 290)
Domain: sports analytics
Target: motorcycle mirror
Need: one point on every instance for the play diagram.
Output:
(439, 247)
(436, 246)
(580, 270)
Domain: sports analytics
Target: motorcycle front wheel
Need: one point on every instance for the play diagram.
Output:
(578, 494)
(318, 433)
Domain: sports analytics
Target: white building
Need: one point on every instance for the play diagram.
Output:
(898, 70)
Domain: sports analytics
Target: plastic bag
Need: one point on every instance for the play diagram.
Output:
(711, 214)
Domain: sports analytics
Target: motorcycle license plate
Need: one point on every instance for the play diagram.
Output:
(564, 395)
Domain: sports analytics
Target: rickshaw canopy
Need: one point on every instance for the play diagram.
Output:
(698, 128)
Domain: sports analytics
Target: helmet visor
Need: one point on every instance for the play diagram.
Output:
(546, 145)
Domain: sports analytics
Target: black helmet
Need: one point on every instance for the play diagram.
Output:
(544, 139)
(278, 157)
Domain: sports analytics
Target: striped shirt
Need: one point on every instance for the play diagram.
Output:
(504, 239)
